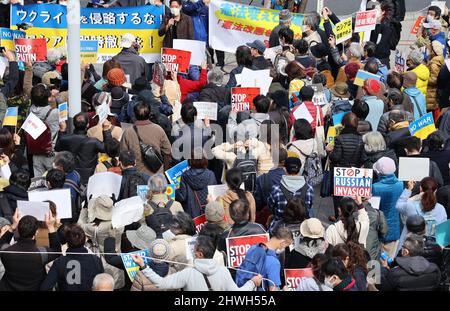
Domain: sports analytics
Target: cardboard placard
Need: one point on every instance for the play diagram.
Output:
(293, 276)
(176, 60)
(413, 168)
(31, 50)
(242, 97)
(33, 126)
(190, 247)
(365, 21)
(343, 30)
(352, 182)
(255, 78)
(199, 222)
(197, 49)
(60, 197)
(237, 247)
(400, 61)
(63, 110)
(141, 190)
(216, 191)
(206, 109)
(127, 211)
(302, 112)
(319, 98)
(423, 126)
(106, 183)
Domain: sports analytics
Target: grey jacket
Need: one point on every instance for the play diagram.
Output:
(192, 279)
(249, 126)
(377, 228)
(133, 64)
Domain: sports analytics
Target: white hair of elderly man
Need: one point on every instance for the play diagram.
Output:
(103, 282)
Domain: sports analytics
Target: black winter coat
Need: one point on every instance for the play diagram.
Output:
(370, 158)
(394, 140)
(15, 193)
(348, 149)
(215, 94)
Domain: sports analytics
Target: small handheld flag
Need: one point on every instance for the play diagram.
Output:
(11, 116)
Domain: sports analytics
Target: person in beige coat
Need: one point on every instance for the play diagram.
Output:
(157, 196)
(434, 65)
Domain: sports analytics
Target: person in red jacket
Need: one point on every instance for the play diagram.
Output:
(306, 96)
(189, 86)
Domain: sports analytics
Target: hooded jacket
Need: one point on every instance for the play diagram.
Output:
(193, 190)
(423, 74)
(412, 273)
(192, 279)
(13, 194)
(132, 64)
(303, 253)
(418, 101)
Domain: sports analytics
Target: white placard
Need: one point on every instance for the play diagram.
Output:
(301, 112)
(60, 197)
(256, 78)
(3, 64)
(375, 202)
(102, 111)
(127, 211)
(33, 126)
(414, 169)
(35, 209)
(217, 191)
(197, 49)
(106, 183)
(190, 245)
(206, 109)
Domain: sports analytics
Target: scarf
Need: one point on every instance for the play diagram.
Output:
(347, 283)
(399, 125)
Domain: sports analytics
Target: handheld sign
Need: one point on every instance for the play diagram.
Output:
(206, 109)
(362, 76)
(197, 48)
(400, 61)
(31, 50)
(88, 51)
(36, 209)
(331, 134)
(417, 25)
(414, 169)
(11, 115)
(352, 182)
(199, 222)
(63, 112)
(189, 244)
(302, 112)
(33, 126)
(127, 211)
(439, 4)
(141, 190)
(443, 233)
(293, 276)
(343, 30)
(365, 21)
(60, 197)
(217, 190)
(106, 183)
(8, 35)
(131, 267)
(176, 60)
(237, 247)
(319, 98)
(242, 98)
(173, 174)
(423, 126)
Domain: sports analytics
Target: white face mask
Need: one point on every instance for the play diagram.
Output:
(328, 283)
(175, 11)
(194, 1)
(430, 18)
(168, 235)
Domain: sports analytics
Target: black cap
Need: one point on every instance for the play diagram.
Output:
(293, 165)
(415, 224)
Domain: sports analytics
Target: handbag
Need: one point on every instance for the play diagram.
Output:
(150, 156)
(326, 189)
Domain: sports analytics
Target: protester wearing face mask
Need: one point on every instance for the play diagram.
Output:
(309, 29)
(337, 277)
(176, 25)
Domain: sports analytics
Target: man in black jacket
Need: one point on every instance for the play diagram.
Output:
(25, 272)
(19, 181)
(85, 149)
(413, 271)
(214, 91)
(257, 49)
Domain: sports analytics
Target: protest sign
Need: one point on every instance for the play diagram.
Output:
(88, 51)
(11, 116)
(5, 171)
(131, 267)
(174, 173)
(365, 21)
(63, 112)
(170, 191)
(197, 49)
(423, 126)
(351, 182)
(7, 37)
(127, 211)
(343, 30)
(319, 98)
(4, 63)
(302, 112)
(362, 76)
(189, 243)
(206, 109)
(141, 190)
(375, 202)
(417, 25)
(106, 183)
(33, 126)
(35, 209)
(414, 169)
(400, 61)
(232, 24)
(443, 233)
(331, 134)
(199, 222)
(293, 276)
(237, 247)
(105, 25)
(31, 50)
(337, 118)
(242, 98)
(271, 53)
(102, 111)
(176, 60)
(255, 78)
(60, 197)
(217, 191)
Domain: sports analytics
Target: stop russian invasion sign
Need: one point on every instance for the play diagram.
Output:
(352, 182)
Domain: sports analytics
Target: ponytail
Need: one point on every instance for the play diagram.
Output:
(348, 208)
(428, 200)
(234, 179)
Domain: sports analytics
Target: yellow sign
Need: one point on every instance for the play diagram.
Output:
(343, 30)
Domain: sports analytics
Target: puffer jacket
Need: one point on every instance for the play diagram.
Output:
(348, 149)
(423, 74)
(364, 127)
(434, 65)
(389, 188)
(194, 190)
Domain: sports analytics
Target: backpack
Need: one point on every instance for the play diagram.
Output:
(43, 144)
(394, 39)
(312, 168)
(254, 261)
(289, 195)
(340, 105)
(248, 167)
(131, 183)
(430, 221)
(161, 218)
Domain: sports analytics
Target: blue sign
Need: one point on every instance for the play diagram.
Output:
(443, 234)
(174, 173)
(89, 46)
(130, 266)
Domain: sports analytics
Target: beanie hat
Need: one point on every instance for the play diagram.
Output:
(214, 211)
(416, 57)
(159, 249)
(372, 86)
(351, 69)
(384, 166)
(292, 164)
(116, 77)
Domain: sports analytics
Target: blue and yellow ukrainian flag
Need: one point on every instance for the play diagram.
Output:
(11, 116)
(362, 76)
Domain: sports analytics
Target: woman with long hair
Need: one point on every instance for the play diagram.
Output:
(11, 152)
(316, 282)
(293, 216)
(353, 256)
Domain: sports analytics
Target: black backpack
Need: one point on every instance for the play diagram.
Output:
(249, 169)
(300, 192)
(161, 218)
(131, 183)
(394, 39)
